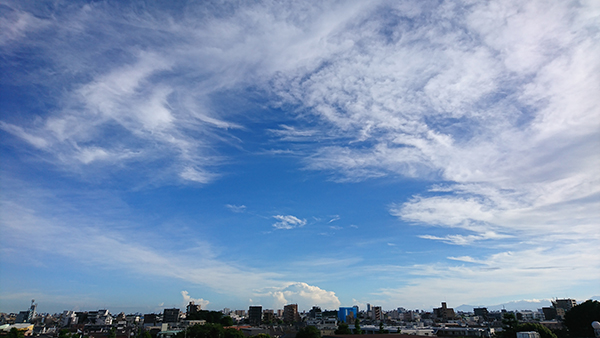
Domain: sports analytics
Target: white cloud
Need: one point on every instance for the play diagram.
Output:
(236, 208)
(36, 141)
(335, 218)
(141, 97)
(288, 222)
(198, 301)
(533, 269)
(302, 294)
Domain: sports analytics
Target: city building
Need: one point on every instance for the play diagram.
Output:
(347, 314)
(444, 313)
(549, 313)
(268, 315)
(315, 313)
(171, 315)
(376, 313)
(290, 313)
(150, 319)
(27, 316)
(566, 304)
(481, 312)
(192, 308)
(255, 315)
(528, 334)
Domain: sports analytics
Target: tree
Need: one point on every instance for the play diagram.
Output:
(262, 335)
(209, 316)
(579, 319)
(343, 329)
(309, 332)
(233, 333)
(14, 333)
(226, 321)
(64, 333)
(382, 330)
(112, 333)
(357, 329)
(509, 326)
(208, 330)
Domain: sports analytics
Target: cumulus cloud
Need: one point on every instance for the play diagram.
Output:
(302, 294)
(198, 301)
(288, 222)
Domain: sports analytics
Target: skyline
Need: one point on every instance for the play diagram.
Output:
(512, 306)
(332, 154)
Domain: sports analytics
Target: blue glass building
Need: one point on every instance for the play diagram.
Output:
(343, 312)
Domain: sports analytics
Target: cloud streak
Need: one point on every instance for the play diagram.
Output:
(287, 222)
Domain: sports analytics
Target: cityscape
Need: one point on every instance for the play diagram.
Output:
(563, 318)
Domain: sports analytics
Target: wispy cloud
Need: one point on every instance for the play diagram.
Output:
(288, 222)
(236, 208)
(34, 221)
(335, 218)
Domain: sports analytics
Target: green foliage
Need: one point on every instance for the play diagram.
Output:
(357, 329)
(561, 333)
(579, 319)
(209, 330)
(343, 329)
(14, 333)
(226, 321)
(64, 333)
(209, 316)
(262, 335)
(309, 332)
(510, 327)
(233, 333)
(112, 333)
(144, 334)
(382, 331)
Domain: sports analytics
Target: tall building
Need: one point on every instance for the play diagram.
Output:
(192, 308)
(444, 312)
(171, 315)
(290, 313)
(150, 319)
(316, 313)
(481, 312)
(255, 315)
(549, 313)
(27, 316)
(347, 314)
(32, 311)
(268, 315)
(377, 313)
(566, 304)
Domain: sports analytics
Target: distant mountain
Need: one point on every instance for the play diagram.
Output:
(517, 305)
(510, 306)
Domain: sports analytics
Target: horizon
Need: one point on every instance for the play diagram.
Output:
(337, 153)
(513, 306)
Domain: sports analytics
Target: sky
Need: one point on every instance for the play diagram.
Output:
(237, 153)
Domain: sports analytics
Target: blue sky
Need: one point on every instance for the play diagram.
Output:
(329, 153)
